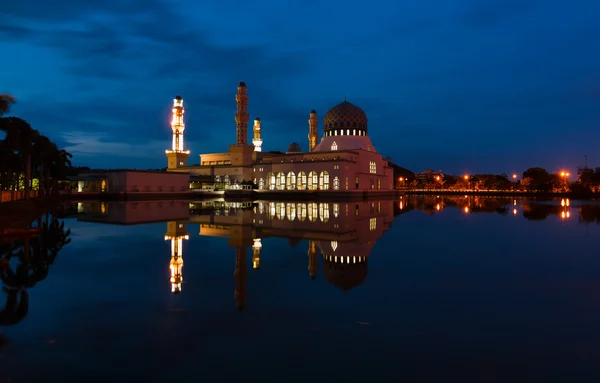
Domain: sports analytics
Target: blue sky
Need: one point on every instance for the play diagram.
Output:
(458, 85)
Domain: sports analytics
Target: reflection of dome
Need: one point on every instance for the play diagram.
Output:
(348, 116)
(344, 275)
(294, 148)
(294, 242)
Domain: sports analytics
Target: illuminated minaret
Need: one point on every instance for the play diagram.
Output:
(256, 246)
(257, 141)
(176, 233)
(312, 259)
(241, 116)
(177, 157)
(313, 133)
(240, 274)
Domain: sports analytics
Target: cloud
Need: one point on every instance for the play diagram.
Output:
(94, 144)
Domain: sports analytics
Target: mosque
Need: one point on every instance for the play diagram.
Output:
(344, 159)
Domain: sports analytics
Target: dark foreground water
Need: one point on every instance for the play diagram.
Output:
(422, 289)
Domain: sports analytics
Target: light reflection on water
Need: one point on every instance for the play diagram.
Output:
(480, 288)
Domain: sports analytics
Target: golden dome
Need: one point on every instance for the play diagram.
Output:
(346, 115)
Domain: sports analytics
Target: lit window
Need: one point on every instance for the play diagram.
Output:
(336, 183)
(373, 167)
(324, 180)
(333, 245)
(334, 146)
(373, 224)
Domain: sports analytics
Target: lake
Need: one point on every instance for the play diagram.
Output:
(467, 289)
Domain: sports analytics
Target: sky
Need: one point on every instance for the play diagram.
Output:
(480, 86)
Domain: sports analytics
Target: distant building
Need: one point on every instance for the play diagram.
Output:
(429, 176)
(343, 160)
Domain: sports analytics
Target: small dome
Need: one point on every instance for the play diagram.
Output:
(345, 275)
(257, 119)
(242, 84)
(294, 148)
(313, 112)
(178, 97)
(346, 115)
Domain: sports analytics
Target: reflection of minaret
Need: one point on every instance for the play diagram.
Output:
(177, 156)
(176, 232)
(240, 277)
(241, 117)
(256, 246)
(313, 133)
(312, 259)
(257, 141)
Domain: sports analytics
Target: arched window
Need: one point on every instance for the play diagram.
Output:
(271, 210)
(313, 211)
(301, 181)
(313, 180)
(261, 184)
(280, 181)
(290, 182)
(301, 211)
(336, 183)
(336, 209)
(217, 179)
(324, 212)
(324, 180)
(280, 210)
(290, 211)
(334, 146)
(271, 181)
(227, 181)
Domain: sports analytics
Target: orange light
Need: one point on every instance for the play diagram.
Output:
(514, 176)
(466, 209)
(466, 177)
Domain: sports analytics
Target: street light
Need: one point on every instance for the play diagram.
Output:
(467, 179)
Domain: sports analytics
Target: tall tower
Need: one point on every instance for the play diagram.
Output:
(313, 133)
(312, 259)
(256, 246)
(241, 116)
(176, 233)
(240, 275)
(177, 157)
(257, 141)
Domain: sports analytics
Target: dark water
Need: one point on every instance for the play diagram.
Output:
(422, 289)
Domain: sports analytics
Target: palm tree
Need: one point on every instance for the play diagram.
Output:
(5, 101)
(44, 152)
(20, 137)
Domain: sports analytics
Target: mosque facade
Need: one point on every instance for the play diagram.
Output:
(344, 159)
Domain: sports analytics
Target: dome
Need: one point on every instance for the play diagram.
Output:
(294, 148)
(345, 275)
(178, 97)
(346, 119)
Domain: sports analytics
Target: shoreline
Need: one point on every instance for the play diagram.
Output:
(500, 193)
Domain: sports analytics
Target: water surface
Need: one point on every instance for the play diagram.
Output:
(420, 289)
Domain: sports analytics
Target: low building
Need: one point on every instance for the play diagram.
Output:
(125, 181)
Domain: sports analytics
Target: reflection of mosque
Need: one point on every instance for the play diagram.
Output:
(342, 233)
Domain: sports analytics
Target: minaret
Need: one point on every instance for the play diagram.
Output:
(257, 141)
(241, 117)
(240, 274)
(312, 259)
(177, 156)
(256, 247)
(176, 233)
(313, 133)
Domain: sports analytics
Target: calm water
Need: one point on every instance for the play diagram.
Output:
(421, 289)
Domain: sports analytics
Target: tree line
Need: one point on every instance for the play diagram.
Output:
(25, 151)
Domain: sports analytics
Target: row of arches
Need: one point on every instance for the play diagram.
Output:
(301, 211)
(301, 181)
